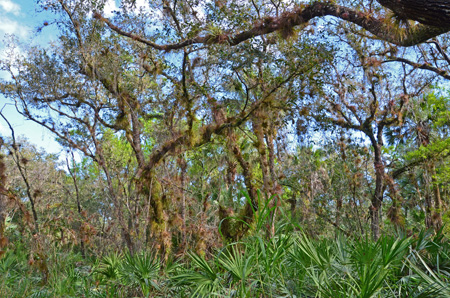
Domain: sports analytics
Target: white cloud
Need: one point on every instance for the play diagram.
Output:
(3, 130)
(8, 26)
(110, 6)
(10, 7)
(9, 53)
(142, 4)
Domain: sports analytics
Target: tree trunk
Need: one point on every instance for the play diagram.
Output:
(183, 169)
(262, 150)
(293, 204)
(428, 207)
(378, 194)
(232, 228)
(3, 240)
(339, 202)
(77, 196)
(433, 13)
(111, 191)
(437, 210)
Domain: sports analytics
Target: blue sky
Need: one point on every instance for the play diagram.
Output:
(21, 19)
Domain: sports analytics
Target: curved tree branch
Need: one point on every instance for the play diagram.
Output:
(287, 21)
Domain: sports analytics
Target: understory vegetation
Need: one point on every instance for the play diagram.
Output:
(288, 264)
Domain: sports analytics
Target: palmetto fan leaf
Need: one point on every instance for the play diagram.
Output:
(141, 269)
(109, 266)
(202, 278)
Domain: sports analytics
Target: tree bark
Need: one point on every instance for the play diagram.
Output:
(432, 13)
(428, 208)
(378, 194)
(3, 240)
(262, 150)
(437, 211)
(234, 229)
(77, 196)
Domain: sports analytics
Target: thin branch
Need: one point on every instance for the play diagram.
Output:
(22, 171)
(425, 66)
(439, 48)
(77, 196)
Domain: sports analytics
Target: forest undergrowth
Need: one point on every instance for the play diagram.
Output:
(287, 263)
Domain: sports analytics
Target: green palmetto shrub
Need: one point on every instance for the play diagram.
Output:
(108, 268)
(270, 265)
(141, 270)
(238, 265)
(122, 274)
(428, 265)
(10, 269)
(14, 281)
(106, 272)
(200, 279)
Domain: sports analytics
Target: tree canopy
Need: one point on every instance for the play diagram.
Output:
(192, 116)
